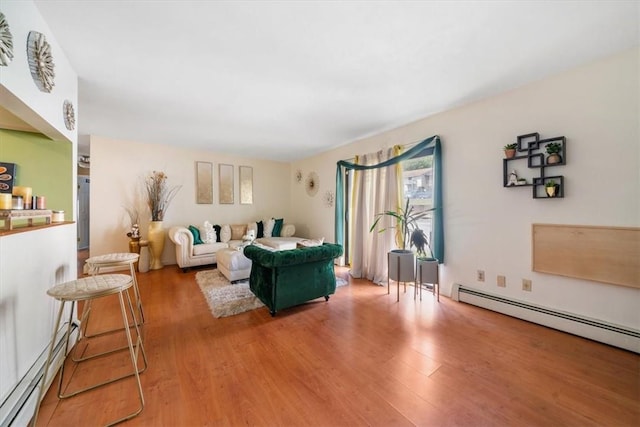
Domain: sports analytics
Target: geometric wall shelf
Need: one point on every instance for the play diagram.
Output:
(532, 149)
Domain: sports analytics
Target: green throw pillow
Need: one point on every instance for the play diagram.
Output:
(196, 235)
(277, 227)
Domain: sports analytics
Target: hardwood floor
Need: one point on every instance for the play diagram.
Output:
(360, 359)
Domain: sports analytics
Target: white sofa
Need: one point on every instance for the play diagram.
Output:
(190, 255)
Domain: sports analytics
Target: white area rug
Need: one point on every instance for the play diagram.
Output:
(226, 299)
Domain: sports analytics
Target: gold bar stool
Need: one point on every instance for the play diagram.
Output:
(114, 260)
(87, 289)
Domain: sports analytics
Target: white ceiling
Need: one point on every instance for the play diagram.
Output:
(285, 80)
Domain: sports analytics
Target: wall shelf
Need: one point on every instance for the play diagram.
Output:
(532, 149)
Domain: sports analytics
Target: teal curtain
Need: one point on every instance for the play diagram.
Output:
(428, 146)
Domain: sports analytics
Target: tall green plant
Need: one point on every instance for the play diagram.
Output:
(407, 223)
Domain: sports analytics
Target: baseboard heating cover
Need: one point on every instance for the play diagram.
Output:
(615, 335)
(19, 406)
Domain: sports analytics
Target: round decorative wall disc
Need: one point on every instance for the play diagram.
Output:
(329, 198)
(40, 61)
(6, 42)
(69, 115)
(312, 184)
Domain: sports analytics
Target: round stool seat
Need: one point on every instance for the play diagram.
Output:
(117, 261)
(115, 258)
(91, 287)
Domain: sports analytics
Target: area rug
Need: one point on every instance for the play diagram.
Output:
(225, 298)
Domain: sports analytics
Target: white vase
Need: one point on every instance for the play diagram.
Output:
(156, 236)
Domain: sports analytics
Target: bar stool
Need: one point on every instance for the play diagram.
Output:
(114, 260)
(88, 289)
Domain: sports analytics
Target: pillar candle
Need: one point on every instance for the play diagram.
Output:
(25, 192)
(5, 201)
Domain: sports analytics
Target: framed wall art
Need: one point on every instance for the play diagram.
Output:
(246, 185)
(225, 183)
(204, 183)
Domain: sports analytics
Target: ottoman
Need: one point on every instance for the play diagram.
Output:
(233, 264)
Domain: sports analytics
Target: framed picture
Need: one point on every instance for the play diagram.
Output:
(204, 183)
(225, 183)
(246, 185)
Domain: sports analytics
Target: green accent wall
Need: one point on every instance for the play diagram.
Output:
(44, 165)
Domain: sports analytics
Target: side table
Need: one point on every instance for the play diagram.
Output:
(135, 244)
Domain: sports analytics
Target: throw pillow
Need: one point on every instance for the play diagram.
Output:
(277, 227)
(237, 231)
(196, 235)
(218, 232)
(207, 233)
(225, 233)
(268, 228)
(260, 227)
(288, 230)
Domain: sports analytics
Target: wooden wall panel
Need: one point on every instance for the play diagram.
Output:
(602, 254)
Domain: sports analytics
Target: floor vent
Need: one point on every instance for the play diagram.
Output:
(615, 335)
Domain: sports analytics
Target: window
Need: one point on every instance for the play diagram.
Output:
(417, 179)
(421, 184)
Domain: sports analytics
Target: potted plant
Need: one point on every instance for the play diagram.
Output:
(426, 264)
(510, 150)
(553, 151)
(551, 188)
(159, 197)
(402, 261)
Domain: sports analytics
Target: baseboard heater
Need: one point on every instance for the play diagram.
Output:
(18, 407)
(615, 335)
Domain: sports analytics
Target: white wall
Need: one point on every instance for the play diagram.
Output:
(487, 226)
(118, 169)
(31, 263)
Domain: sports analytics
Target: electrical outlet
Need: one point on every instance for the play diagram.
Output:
(502, 281)
(526, 285)
(480, 276)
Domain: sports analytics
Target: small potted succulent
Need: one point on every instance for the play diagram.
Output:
(553, 151)
(551, 188)
(510, 150)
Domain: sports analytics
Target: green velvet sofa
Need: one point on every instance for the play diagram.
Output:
(282, 279)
